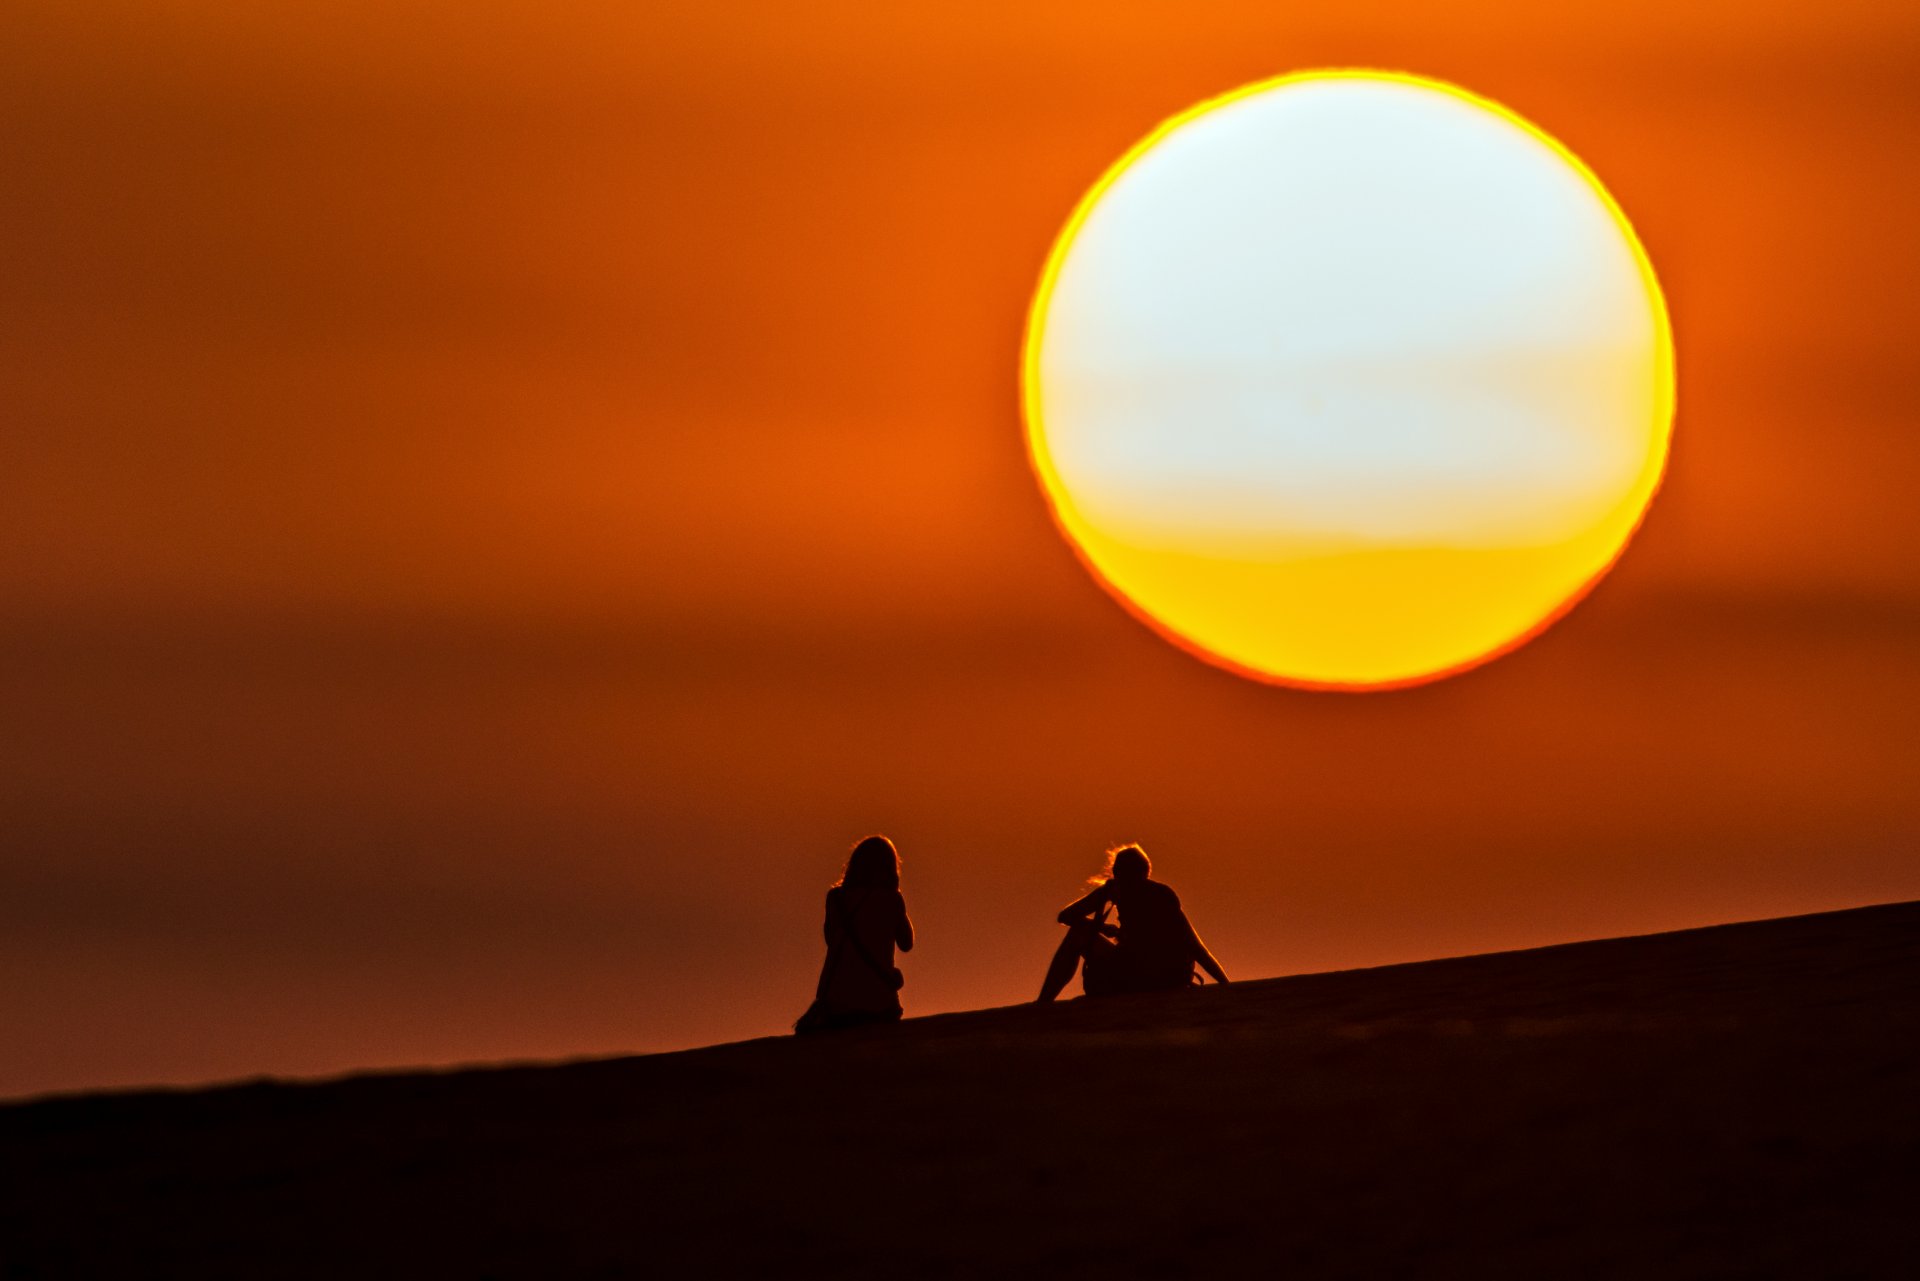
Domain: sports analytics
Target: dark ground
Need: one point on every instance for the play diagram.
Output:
(1741, 1101)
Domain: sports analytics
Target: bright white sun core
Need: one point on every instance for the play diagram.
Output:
(1348, 379)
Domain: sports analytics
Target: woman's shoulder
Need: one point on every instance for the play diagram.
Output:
(857, 897)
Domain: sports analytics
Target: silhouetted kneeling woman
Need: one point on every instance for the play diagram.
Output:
(1153, 949)
(866, 920)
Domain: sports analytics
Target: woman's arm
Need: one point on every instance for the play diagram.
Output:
(903, 935)
(1082, 909)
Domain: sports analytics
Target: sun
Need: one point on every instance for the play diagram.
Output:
(1348, 379)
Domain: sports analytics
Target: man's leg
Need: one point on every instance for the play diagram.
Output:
(1104, 971)
(1066, 959)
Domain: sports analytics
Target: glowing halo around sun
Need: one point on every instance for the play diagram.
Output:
(1348, 379)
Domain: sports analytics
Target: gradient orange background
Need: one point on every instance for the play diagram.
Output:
(494, 499)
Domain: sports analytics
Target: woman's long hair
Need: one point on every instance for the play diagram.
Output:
(1128, 862)
(874, 864)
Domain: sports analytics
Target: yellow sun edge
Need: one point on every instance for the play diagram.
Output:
(1665, 390)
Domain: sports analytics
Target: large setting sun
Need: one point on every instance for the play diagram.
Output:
(1348, 379)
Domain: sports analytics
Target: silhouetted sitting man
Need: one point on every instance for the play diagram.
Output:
(1153, 949)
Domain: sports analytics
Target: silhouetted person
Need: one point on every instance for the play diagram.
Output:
(866, 920)
(1153, 949)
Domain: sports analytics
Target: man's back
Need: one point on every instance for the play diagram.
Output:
(1154, 934)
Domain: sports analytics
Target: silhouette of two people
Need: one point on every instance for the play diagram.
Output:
(1152, 948)
(866, 919)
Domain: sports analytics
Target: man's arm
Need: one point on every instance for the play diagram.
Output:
(1082, 909)
(1201, 955)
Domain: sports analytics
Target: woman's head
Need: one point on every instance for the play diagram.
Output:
(874, 864)
(1128, 863)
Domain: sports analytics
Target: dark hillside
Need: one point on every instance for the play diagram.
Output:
(1740, 1101)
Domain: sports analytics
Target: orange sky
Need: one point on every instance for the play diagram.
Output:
(494, 499)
